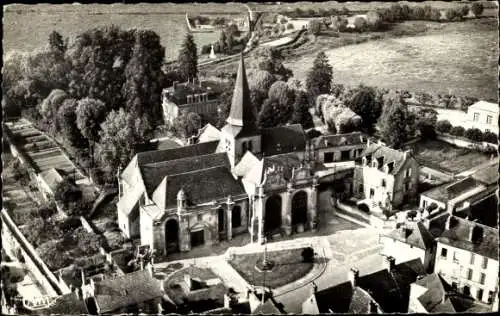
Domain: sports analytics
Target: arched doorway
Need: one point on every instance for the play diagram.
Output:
(272, 218)
(236, 216)
(299, 208)
(172, 235)
(365, 208)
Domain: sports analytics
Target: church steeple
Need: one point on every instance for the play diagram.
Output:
(242, 112)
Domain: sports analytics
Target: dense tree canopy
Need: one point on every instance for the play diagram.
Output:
(188, 59)
(395, 121)
(66, 121)
(301, 112)
(271, 60)
(319, 78)
(89, 115)
(367, 103)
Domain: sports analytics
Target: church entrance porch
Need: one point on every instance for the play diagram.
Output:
(272, 217)
(299, 211)
(172, 236)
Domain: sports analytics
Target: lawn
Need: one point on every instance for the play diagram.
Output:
(446, 157)
(457, 58)
(288, 267)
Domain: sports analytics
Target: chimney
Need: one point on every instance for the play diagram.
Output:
(83, 276)
(353, 276)
(391, 262)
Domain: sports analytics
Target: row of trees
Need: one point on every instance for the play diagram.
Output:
(474, 134)
(311, 13)
(230, 39)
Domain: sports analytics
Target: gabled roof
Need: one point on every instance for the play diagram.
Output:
(458, 236)
(154, 156)
(200, 186)
(414, 234)
(242, 113)
(209, 133)
(350, 139)
(376, 151)
(270, 307)
(126, 290)
(283, 139)
(360, 302)
(288, 161)
(486, 106)
(487, 175)
(153, 173)
(247, 162)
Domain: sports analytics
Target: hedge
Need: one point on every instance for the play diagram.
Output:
(457, 131)
(443, 126)
(474, 134)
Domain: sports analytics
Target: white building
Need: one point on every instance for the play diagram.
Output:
(484, 116)
(467, 259)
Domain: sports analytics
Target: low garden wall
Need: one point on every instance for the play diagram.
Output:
(368, 220)
(464, 142)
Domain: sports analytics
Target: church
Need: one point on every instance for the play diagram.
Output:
(248, 179)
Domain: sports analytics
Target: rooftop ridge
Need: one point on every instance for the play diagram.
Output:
(161, 163)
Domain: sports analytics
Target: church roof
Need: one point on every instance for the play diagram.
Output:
(242, 114)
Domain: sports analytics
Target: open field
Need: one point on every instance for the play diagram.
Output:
(446, 157)
(459, 58)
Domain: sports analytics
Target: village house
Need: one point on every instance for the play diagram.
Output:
(195, 96)
(385, 177)
(484, 116)
(467, 259)
(340, 147)
(384, 291)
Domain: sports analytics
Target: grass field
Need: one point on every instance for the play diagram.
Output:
(446, 157)
(457, 58)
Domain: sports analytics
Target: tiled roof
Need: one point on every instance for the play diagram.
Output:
(200, 186)
(376, 151)
(285, 161)
(68, 304)
(327, 141)
(283, 139)
(209, 133)
(391, 290)
(242, 112)
(458, 236)
(487, 175)
(432, 299)
(415, 234)
(247, 162)
(126, 290)
(153, 173)
(336, 298)
(154, 156)
(450, 191)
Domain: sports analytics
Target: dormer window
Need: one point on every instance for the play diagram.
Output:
(189, 98)
(390, 167)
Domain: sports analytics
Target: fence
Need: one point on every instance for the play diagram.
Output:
(464, 142)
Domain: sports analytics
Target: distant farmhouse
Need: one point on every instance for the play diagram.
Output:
(484, 116)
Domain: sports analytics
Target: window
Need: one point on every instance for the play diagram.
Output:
(383, 183)
(482, 278)
(469, 274)
(455, 256)
(236, 216)
(200, 217)
(424, 203)
(408, 172)
(361, 188)
(372, 193)
(466, 290)
(345, 155)
(476, 117)
(472, 259)
(490, 297)
(328, 157)
(444, 252)
(489, 118)
(485, 263)
(454, 286)
(480, 294)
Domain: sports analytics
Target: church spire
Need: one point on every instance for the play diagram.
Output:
(242, 113)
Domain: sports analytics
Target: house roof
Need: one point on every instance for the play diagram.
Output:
(283, 139)
(200, 186)
(154, 156)
(126, 290)
(415, 234)
(486, 106)
(242, 113)
(52, 177)
(360, 302)
(487, 175)
(153, 173)
(247, 162)
(458, 236)
(209, 133)
(68, 304)
(389, 155)
(128, 201)
(449, 191)
(336, 298)
(349, 139)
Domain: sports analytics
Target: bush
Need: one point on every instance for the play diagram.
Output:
(457, 131)
(474, 134)
(289, 26)
(490, 137)
(443, 126)
(411, 214)
(477, 9)
(308, 254)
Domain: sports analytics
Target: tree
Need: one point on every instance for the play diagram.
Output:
(315, 27)
(418, 13)
(301, 112)
(272, 114)
(374, 20)
(54, 255)
(66, 121)
(187, 124)
(319, 78)
(474, 134)
(366, 103)
(87, 242)
(477, 8)
(425, 122)
(307, 254)
(339, 23)
(222, 42)
(360, 24)
(289, 26)
(490, 137)
(394, 122)
(443, 126)
(271, 60)
(188, 58)
(457, 131)
(120, 135)
(52, 102)
(280, 92)
(465, 10)
(56, 42)
(67, 192)
(143, 85)
(451, 14)
(89, 115)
